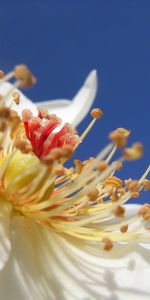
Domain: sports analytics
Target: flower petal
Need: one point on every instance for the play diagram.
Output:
(75, 110)
(6, 90)
(45, 265)
(72, 111)
(5, 245)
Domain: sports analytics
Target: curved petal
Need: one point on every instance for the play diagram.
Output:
(75, 110)
(5, 245)
(72, 111)
(6, 90)
(45, 265)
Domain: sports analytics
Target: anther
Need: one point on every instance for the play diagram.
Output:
(3, 125)
(119, 166)
(119, 211)
(79, 166)
(16, 97)
(1, 74)
(93, 195)
(114, 181)
(96, 113)
(4, 112)
(145, 212)
(146, 184)
(135, 152)
(108, 245)
(114, 198)
(56, 153)
(102, 166)
(124, 228)
(67, 151)
(23, 146)
(132, 185)
(119, 137)
(24, 74)
(60, 171)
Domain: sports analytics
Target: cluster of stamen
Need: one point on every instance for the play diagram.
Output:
(77, 201)
(40, 133)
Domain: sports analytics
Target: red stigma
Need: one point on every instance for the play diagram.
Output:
(39, 131)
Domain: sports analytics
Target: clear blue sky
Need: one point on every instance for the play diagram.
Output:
(62, 40)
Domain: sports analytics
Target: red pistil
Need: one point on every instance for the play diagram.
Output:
(39, 132)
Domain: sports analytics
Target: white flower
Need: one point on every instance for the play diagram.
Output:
(71, 111)
(53, 223)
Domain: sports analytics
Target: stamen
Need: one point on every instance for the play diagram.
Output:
(96, 114)
(6, 77)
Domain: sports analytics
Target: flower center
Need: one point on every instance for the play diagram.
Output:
(21, 180)
(40, 133)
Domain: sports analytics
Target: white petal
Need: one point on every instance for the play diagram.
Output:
(5, 245)
(75, 110)
(46, 266)
(71, 111)
(25, 103)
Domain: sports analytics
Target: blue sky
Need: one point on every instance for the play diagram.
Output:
(62, 41)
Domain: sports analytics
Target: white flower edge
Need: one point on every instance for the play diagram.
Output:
(70, 111)
(75, 110)
(44, 265)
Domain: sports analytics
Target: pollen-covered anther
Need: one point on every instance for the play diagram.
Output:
(96, 113)
(67, 151)
(119, 137)
(114, 181)
(124, 228)
(102, 166)
(108, 245)
(22, 73)
(60, 171)
(135, 152)
(1, 74)
(119, 211)
(132, 185)
(145, 212)
(119, 165)
(79, 166)
(16, 97)
(146, 184)
(121, 191)
(23, 146)
(56, 153)
(93, 194)
(3, 125)
(4, 112)
(114, 198)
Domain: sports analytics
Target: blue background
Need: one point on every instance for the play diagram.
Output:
(62, 40)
